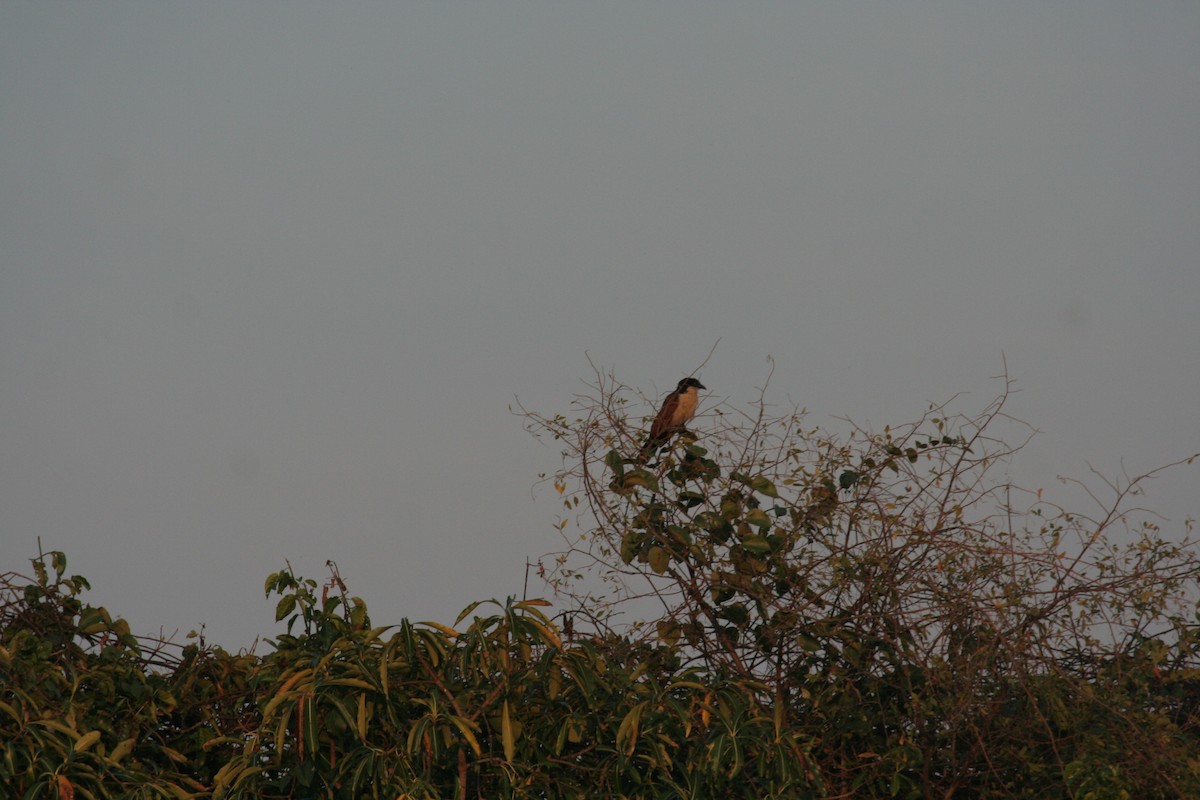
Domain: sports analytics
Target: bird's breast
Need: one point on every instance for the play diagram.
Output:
(686, 407)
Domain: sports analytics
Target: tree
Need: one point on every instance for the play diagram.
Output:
(938, 629)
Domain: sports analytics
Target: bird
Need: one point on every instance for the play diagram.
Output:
(678, 407)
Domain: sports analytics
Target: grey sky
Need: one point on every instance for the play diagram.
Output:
(271, 273)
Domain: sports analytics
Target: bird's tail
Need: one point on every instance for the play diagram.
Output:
(651, 447)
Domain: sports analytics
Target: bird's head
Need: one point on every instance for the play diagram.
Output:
(688, 383)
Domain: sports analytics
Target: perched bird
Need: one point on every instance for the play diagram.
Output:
(677, 409)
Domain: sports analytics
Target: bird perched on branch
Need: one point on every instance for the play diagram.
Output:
(677, 409)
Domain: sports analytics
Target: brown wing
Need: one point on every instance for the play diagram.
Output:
(664, 423)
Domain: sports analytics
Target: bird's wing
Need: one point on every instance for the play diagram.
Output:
(664, 422)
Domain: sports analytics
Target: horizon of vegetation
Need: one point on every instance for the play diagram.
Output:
(761, 608)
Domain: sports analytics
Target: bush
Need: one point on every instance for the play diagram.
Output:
(763, 610)
(931, 627)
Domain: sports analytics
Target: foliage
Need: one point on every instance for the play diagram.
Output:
(500, 708)
(935, 629)
(815, 616)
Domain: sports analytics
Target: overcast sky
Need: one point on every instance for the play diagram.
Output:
(272, 273)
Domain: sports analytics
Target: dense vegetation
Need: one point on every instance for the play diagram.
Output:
(864, 615)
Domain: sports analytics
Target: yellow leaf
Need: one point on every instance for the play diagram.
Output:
(224, 776)
(123, 748)
(446, 629)
(86, 741)
(506, 732)
(175, 755)
(281, 694)
(362, 717)
(375, 633)
(12, 712)
(58, 726)
(464, 727)
(548, 634)
(178, 792)
(627, 733)
(357, 683)
(231, 774)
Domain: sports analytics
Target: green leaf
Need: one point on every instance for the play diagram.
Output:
(659, 559)
(718, 527)
(764, 486)
(808, 643)
(629, 548)
(721, 593)
(669, 631)
(735, 613)
(756, 544)
(731, 506)
(848, 478)
(358, 614)
(758, 518)
(615, 462)
(94, 620)
(285, 606)
(638, 477)
(467, 611)
(310, 724)
(758, 483)
(680, 534)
